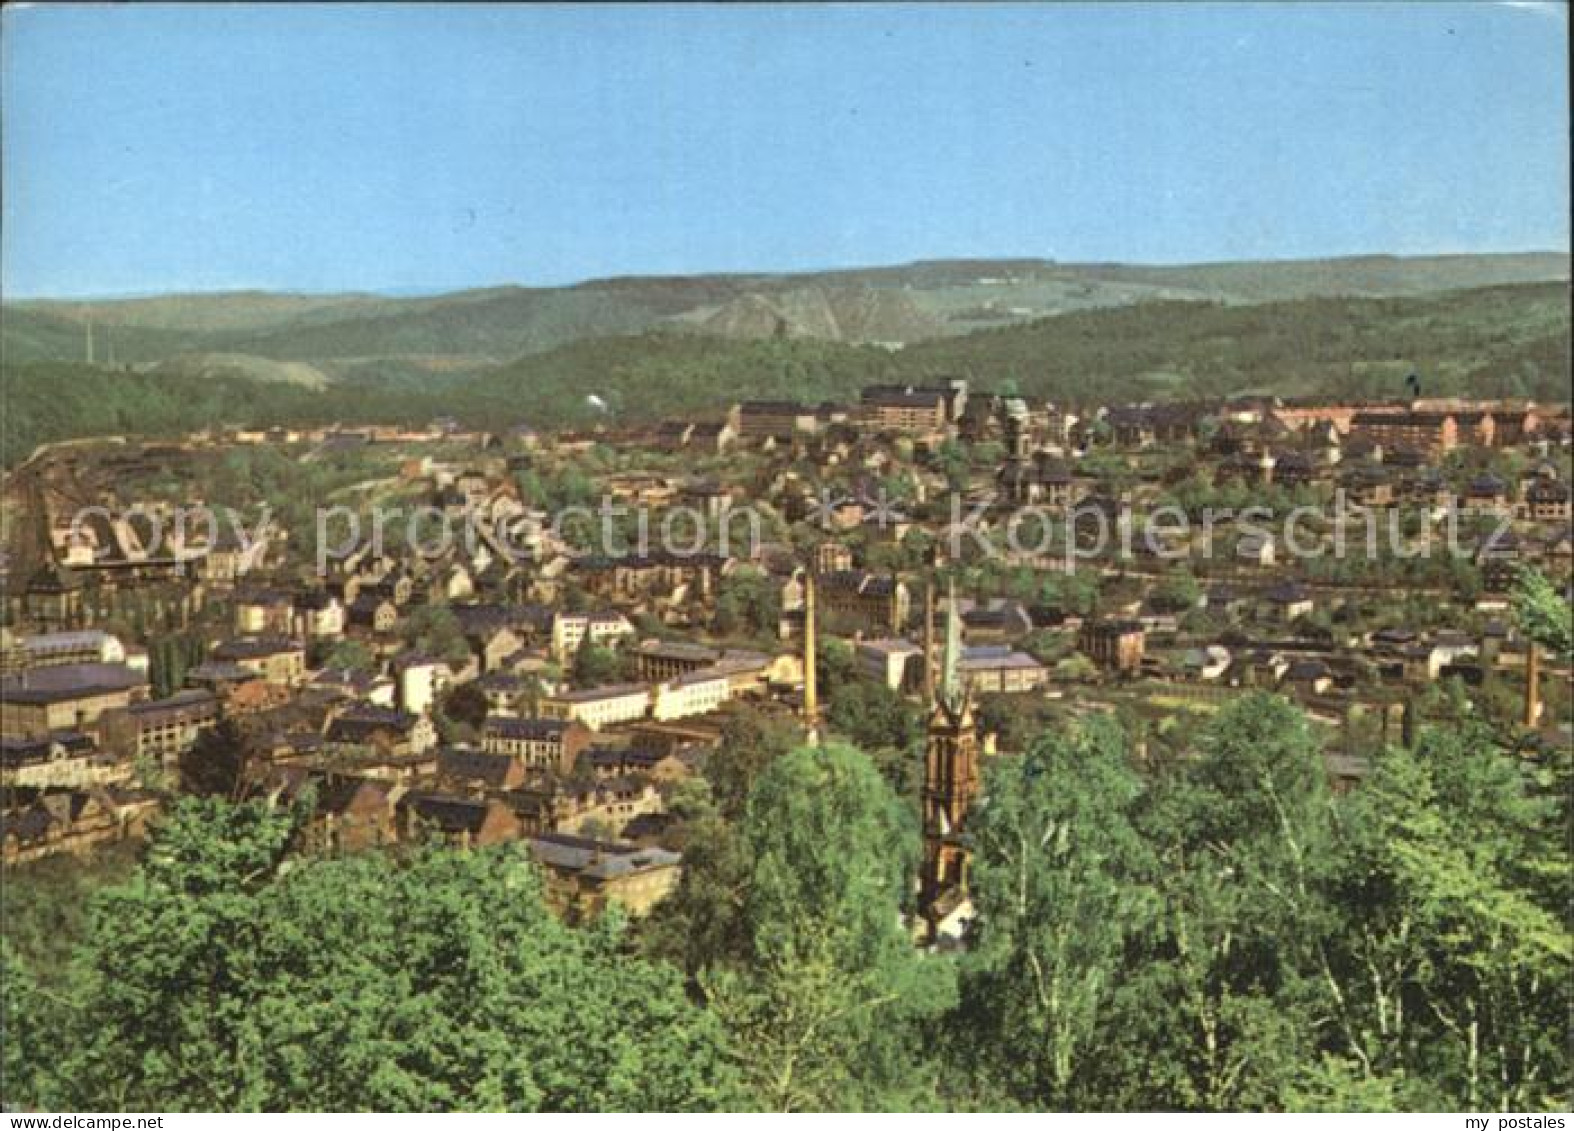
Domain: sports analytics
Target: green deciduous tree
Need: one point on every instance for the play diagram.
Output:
(1059, 883)
(228, 976)
(1455, 939)
(1228, 990)
(826, 1012)
(1544, 614)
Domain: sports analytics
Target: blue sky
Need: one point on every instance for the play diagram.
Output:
(153, 148)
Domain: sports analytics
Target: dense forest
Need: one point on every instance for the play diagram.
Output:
(1213, 931)
(1499, 341)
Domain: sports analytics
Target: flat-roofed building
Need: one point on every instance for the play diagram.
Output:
(83, 646)
(694, 693)
(891, 660)
(162, 728)
(570, 631)
(999, 669)
(599, 707)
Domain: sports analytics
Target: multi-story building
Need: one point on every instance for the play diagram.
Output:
(464, 821)
(383, 728)
(1546, 500)
(1487, 495)
(659, 660)
(634, 576)
(421, 680)
(1427, 432)
(1041, 480)
(694, 693)
(831, 556)
(1115, 645)
(599, 707)
(758, 421)
(1139, 426)
(871, 601)
(908, 410)
(52, 598)
(66, 760)
(572, 630)
(66, 697)
(1368, 487)
(467, 769)
(607, 804)
(317, 616)
(541, 744)
(162, 728)
(263, 611)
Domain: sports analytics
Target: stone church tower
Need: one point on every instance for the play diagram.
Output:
(950, 778)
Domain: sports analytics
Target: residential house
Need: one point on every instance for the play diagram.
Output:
(1289, 601)
(383, 728)
(585, 875)
(62, 760)
(466, 770)
(469, 822)
(421, 679)
(74, 821)
(263, 612)
(316, 616)
(659, 765)
(275, 659)
(1486, 495)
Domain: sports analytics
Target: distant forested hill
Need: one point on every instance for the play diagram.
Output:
(1494, 341)
(903, 304)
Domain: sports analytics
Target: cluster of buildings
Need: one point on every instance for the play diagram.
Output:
(514, 686)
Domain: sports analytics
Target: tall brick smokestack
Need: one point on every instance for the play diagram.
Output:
(1533, 685)
(811, 698)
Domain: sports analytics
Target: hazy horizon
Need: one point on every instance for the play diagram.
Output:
(169, 149)
(416, 291)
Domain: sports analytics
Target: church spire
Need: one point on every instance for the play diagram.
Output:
(950, 780)
(951, 692)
